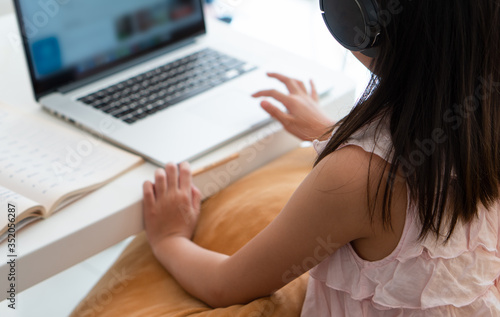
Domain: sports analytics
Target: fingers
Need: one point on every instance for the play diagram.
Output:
(149, 197)
(314, 92)
(172, 175)
(273, 93)
(160, 182)
(196, 194)
(292, 85)
(185, 177)
(276, 113)
(302, 86)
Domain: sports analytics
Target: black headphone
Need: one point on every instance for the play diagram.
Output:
(354, 23)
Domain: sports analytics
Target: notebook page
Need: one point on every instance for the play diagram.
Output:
(21, 203)
(44, 161)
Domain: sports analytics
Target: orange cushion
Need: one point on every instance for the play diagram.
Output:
(137, 285)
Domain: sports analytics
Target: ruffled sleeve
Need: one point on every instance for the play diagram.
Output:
(418, 274)
(421, 275)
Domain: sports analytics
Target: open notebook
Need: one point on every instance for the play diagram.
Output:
(44, 166)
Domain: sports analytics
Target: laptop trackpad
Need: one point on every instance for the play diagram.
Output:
(234, 108)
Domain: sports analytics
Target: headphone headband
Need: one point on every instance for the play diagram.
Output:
(355, 24)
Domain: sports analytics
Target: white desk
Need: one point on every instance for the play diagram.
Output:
(113, 213)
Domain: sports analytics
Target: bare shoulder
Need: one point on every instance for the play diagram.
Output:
(350, 171)
(350, 178)
(345, 166)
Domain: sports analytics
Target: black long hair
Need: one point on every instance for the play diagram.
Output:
(436, 80)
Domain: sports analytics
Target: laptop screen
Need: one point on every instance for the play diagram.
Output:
(70, 40)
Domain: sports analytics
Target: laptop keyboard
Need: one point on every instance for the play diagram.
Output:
(145, 94)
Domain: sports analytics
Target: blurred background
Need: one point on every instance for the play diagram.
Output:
(295, 25)
(5, 6)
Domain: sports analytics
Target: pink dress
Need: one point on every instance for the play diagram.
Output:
(423, 278)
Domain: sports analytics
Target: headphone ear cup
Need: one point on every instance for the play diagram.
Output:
(353, 23)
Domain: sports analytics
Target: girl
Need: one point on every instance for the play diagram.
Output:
(401, 210)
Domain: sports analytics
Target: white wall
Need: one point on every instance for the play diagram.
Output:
(5, 6)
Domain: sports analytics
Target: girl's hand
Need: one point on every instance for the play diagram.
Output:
(304, 119)
(171, 205)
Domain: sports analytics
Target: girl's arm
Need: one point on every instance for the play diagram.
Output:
(328, 210)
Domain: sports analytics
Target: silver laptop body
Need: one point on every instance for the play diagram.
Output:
(77, 49)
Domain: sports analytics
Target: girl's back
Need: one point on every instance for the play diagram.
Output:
(419, 277)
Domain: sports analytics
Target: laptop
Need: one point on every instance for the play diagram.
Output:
(146, 75)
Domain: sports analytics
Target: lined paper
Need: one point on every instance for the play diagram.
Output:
(44, 161)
